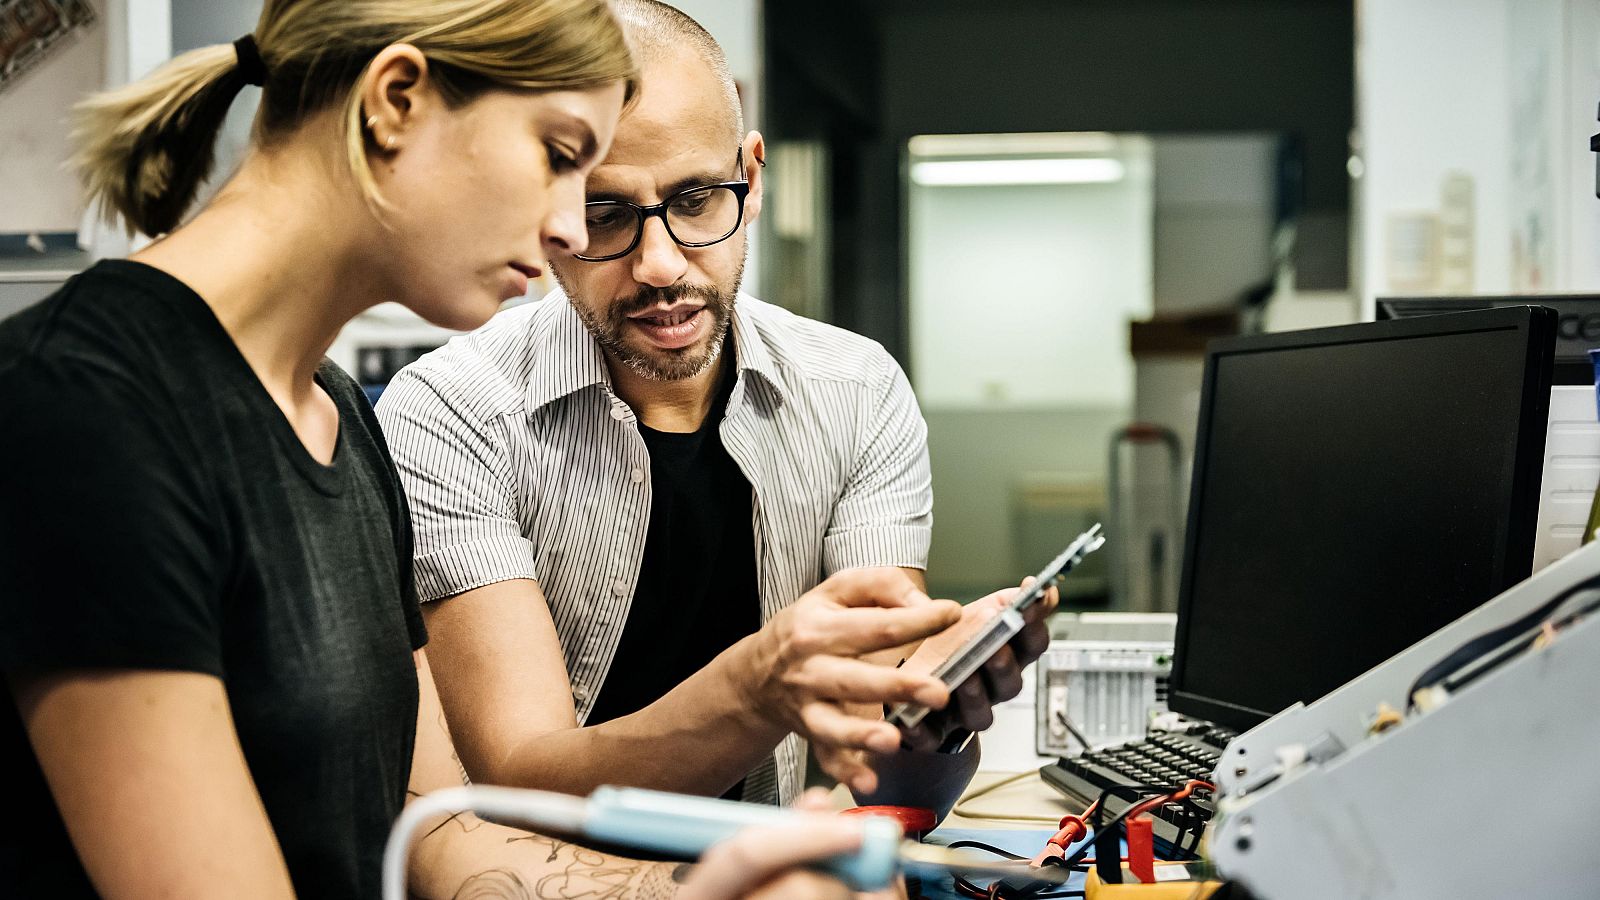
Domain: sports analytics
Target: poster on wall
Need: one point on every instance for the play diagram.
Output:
(31, 29)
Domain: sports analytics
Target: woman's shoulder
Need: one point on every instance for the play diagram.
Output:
(115, 319)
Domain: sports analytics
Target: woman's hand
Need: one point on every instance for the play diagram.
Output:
(768, 862)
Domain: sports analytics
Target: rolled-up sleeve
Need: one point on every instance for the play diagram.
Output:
(457, 478)
(884, 516)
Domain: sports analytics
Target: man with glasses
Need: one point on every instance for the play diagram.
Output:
(625, 497)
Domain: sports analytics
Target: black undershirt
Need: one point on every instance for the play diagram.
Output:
(697, 593)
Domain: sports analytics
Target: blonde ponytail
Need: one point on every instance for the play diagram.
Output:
(143, 150)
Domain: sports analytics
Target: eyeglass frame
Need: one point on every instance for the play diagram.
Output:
(740, 188)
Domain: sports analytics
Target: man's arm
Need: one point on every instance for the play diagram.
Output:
(148, 775)
(501, 676)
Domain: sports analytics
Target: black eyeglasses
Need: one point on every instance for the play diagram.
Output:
(695, 217)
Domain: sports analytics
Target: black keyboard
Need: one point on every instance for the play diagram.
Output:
(1161, 759)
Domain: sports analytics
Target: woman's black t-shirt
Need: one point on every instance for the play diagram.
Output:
(159, 513)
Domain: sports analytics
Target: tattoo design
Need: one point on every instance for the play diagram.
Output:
(584, 874)
(495, 884)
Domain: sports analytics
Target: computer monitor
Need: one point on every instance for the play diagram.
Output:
(1577, 323)
(1355, 489)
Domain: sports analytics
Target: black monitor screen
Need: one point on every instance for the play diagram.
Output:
(1355, 489)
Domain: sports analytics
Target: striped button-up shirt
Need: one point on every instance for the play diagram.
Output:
(520, 461)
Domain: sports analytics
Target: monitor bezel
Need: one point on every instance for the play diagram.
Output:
(1537, 325)
(1570, 369)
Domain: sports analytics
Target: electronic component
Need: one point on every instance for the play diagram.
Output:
(971, 656)
(1103, 683)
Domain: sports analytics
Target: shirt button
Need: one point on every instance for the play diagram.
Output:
(619, 411)
(619, 588)
(637, 475)
(580, 694)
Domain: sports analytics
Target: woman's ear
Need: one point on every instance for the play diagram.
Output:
(396, 96)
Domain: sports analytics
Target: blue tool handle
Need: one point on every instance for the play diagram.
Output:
(678, 825)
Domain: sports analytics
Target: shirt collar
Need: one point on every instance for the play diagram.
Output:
(571, 360)
(566, 358)
(750, 347)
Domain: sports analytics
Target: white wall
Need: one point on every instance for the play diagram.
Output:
(1433, 97)
(1021, 295)
(1579, 98)
(1504, 91)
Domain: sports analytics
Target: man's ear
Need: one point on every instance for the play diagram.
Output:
(396, 96)
(755, 158)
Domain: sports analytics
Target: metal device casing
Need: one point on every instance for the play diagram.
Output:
(1314, 806)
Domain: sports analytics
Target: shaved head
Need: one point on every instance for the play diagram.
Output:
(661, 34)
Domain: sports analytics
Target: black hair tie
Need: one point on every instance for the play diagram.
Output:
(252, 68)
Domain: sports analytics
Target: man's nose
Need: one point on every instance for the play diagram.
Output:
(658, 261)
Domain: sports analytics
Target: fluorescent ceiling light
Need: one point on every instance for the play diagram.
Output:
(972, 146)
(975, 172)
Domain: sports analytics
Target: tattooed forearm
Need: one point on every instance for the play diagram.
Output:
(495, 884)
(553, 844)
(573, 872)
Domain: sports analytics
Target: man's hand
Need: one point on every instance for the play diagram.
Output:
(1000, 679)
(806, 672)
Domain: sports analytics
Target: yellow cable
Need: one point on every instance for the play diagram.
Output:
(961, 810)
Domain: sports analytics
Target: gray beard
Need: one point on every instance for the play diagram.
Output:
(661, 365)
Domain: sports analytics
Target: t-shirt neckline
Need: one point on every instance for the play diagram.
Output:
(328, 479)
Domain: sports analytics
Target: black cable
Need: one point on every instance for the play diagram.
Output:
(1484, 644)
(1009, 890)
(987, 848)
(1517, 649)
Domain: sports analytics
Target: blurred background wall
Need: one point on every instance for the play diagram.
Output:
(1277, 165)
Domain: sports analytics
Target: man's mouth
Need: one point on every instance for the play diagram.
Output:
(664, 318)
(670, 329)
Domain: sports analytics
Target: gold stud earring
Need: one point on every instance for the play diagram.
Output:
(389, 144)
(372, 122)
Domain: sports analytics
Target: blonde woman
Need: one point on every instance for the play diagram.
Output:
(207, 623)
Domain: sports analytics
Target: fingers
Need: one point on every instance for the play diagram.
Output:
(853, 680)
(927, 735)
(1030, 643)
(1045, 606)
(750, 859)
(849, 767)
(881, 586)
(853, 632)
(827, 726)
(814, 800)
(971, 705)
(1002, 675)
